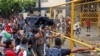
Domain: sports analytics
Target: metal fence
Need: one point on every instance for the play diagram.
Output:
(79, 20)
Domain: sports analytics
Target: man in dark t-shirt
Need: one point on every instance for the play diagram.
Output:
(65, 52)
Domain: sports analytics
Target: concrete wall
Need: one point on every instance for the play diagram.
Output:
(77, 13)
(55, 13)
(52, 3)
(43, 12)
(65, 12)
(68, 9)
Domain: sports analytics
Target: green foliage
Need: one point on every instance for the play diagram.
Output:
(8, 7)
(27, 4)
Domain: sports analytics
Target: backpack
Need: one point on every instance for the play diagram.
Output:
(54, 52)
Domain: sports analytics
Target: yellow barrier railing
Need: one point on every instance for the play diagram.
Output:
(89, 42)
(98, 49)
(82, 39)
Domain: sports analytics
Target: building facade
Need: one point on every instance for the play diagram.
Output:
(65, 10)
(87, 9)
(46, 4)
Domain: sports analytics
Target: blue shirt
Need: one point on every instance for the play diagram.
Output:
(64, 52)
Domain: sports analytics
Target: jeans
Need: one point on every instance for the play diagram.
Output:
(40, 51)
(88, 28)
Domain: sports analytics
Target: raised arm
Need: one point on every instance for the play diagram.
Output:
(54, 36)
(82, 49)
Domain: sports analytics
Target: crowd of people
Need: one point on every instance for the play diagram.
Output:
(18, 39)
(24, 40)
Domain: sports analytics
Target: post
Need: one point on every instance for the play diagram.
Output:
(72, 23)
(81, 19)
(99, 22)
(50, 12)
(50, 39)
(39, 6)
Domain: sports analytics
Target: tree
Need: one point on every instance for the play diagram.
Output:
(9, 7)
(29, 5)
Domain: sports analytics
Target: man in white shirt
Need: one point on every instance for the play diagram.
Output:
(77, 28)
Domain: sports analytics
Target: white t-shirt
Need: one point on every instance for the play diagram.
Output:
(76, 25)
(18, 48)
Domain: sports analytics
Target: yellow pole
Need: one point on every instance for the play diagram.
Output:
(72, 23)
(50, 39)
(77, 41)
(50, 12)
(81, 18)
(99, 22)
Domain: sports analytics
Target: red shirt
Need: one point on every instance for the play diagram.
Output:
(20, 54)
(88, 23)
(8, 28)
(10, 52)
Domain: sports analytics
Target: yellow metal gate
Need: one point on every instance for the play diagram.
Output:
(90, 11)
(79, 11)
